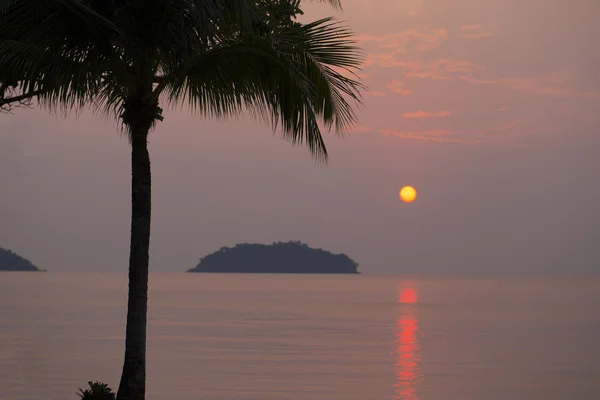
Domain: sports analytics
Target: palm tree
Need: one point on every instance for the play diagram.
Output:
(222, 57)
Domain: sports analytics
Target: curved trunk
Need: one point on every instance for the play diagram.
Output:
(133, 378)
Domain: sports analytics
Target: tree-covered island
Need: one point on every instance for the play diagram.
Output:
(276, 258)
(10, 261)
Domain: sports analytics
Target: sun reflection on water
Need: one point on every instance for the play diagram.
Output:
(407, 344)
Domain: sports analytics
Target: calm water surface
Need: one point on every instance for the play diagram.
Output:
(267, 337)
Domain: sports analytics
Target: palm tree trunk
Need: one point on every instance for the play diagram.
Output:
(133, 378)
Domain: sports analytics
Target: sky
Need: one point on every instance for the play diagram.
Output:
(490, 109)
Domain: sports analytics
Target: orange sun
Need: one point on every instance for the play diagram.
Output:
(408, 194)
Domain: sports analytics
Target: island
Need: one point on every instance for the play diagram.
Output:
(10, 261)
(276, 258)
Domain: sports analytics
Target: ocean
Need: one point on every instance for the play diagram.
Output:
(297, 337)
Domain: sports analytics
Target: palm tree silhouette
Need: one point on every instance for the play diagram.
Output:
(222, 57)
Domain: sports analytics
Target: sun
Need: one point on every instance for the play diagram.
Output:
(408, 194)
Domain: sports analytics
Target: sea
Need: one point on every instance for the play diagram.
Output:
(306, 337)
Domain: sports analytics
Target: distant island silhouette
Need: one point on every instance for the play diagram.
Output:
(10, 261)
(276, 258)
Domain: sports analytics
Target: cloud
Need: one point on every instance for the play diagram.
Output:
(374, 93)
(435, 75)
(502, 132)
(543, 86)
(477, 35)
(458, 65)
(440, 69)
(553, 84)
(398, 87)
(383, 60)
(440, 136)
(424, 114)
(360, 129)
(479, 81)
(474, 32)
(502, 109)
(470, 27)
(404, 41)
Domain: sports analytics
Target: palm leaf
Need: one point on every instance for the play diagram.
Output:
(60, 49)
(216, 55)
(289, 78)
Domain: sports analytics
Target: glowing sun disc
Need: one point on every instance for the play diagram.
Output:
(408, 194)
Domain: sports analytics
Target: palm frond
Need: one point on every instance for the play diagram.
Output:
(60, 50)
(290, 79)
(223, 57)
(236, 78)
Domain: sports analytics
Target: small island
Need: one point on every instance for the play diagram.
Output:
(10, 261)
(276, 258)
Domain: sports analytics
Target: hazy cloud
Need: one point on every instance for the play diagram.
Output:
(440, 136)
(474, 32)
(438, 69)
(424, 114)
(551, 84)
(402, 42)
(477, 35)
(360, 129)
(397, 86)
(375, 93)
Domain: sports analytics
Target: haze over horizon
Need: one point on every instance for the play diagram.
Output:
(490, 111)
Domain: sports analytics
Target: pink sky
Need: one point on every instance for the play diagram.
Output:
(490, 109)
